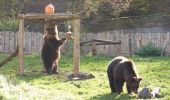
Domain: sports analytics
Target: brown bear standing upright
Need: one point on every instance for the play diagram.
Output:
(51, 51)
(121, 70)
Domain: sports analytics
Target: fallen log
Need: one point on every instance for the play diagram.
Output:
(9, 58)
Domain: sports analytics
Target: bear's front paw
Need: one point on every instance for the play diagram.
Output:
(63, 39)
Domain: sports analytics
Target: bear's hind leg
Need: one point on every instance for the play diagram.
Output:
(48, 66)
(55, 67)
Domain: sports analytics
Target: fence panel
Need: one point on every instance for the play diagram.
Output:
(33, 42)
(130, 42)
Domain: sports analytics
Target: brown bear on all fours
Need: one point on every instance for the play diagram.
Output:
(51, 51)
(121, 70)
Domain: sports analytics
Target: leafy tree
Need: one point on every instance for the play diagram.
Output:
(8, 25)
(9, 8)
(138, 7)
(120, 8)
(106, 8)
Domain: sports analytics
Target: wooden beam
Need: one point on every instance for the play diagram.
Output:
(105, 41)
(99, 42)
(21, 46)
(76, 51)
(56, 16)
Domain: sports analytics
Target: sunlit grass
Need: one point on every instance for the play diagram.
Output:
(35, 85)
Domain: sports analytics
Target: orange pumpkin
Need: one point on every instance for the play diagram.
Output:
(49, 9)
(69, 35)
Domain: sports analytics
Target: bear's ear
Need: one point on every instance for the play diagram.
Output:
(139, 78)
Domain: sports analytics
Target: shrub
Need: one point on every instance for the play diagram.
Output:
(8, 25)
(149, 50)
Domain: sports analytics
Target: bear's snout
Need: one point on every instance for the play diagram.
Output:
(135, 91)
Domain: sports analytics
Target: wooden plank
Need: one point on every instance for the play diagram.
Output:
(102, 42)
(56, 16)
(106, 41)
(76, 51)
(21, 46)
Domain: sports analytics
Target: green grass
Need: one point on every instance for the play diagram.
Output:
(35, 85)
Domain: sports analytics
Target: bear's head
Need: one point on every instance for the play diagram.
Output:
(133, 83)
(51, 31)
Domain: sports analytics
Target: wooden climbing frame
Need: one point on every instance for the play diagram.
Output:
(44, 17)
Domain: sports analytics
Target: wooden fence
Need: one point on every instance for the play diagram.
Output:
(130, 42)
(32, 44)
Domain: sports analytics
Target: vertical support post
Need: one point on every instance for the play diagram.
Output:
(21, 46)
(93, 47)
(130, 44)
(139, 41)
(76, 50)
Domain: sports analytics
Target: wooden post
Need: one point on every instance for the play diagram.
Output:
(76, 51)
(21, 46)
(139, 41)
(93, 47)
(130, 44)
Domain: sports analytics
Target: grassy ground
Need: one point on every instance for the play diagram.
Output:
(35, 85)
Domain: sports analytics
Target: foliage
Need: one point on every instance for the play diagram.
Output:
(105, 8)
(9, 8)
(35, 85)
(149, 50)
(8, 25)
(138, 7)
(159, 7)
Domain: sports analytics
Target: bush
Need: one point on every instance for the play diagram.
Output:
(149, 50)
(8, 25)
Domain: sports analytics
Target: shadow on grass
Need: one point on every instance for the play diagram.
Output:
(113, 96)
(41, 75)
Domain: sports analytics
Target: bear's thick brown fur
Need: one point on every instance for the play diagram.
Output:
(51, 51)
(121, 70)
